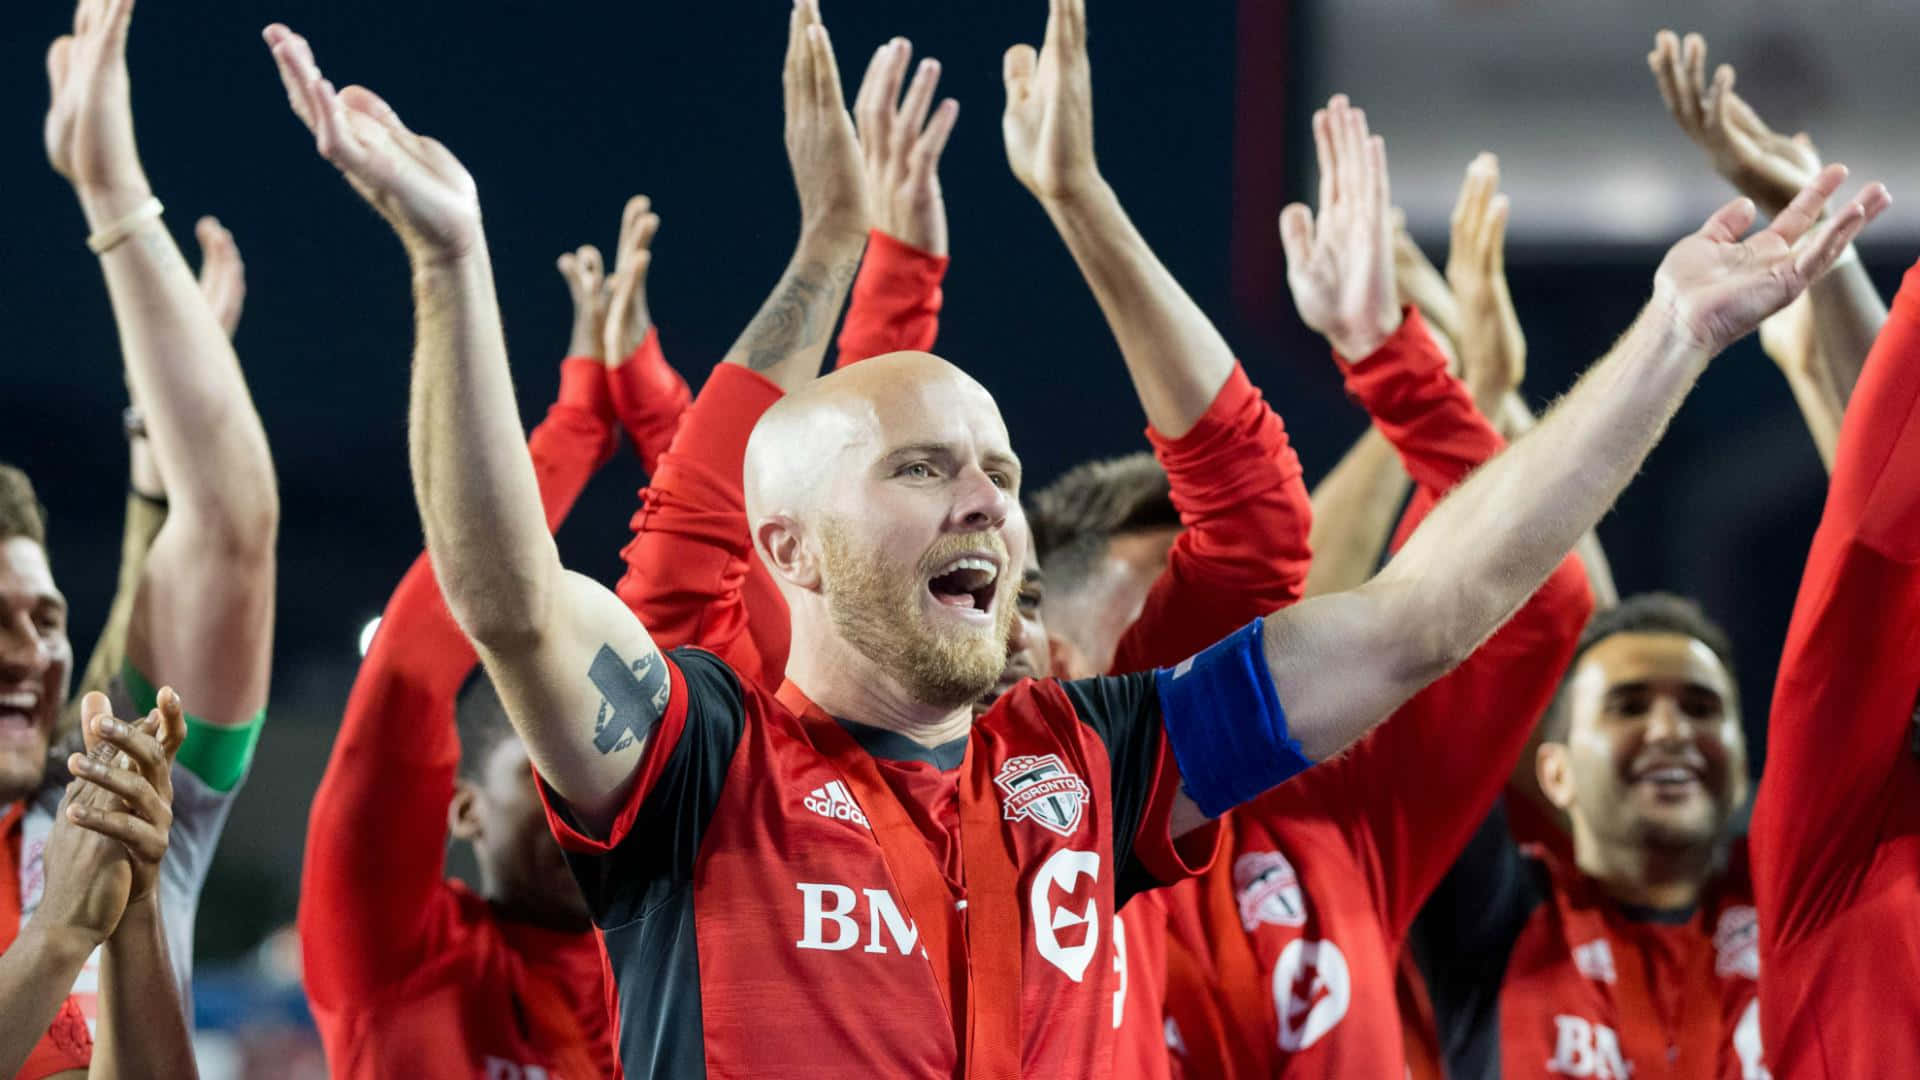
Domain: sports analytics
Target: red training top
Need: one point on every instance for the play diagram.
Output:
(66, 1044)
(1836, 826)
(411, 974)
(1293, 940)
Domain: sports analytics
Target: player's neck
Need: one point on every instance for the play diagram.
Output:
(1644, 876)
(848, 685)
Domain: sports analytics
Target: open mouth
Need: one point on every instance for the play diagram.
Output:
(17, 713)
(1671, 779)
(966, 583)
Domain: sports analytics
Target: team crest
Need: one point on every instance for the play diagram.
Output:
(1736, 943)
(1041, 790)
(1269, 891)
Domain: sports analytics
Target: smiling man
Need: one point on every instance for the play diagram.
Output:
(1641, 956)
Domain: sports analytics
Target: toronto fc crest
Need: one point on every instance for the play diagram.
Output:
(1268, 890)
(1041, 790)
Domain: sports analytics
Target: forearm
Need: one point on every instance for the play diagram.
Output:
(1847, 316)
(1515, 420)
(143, 1026)
(1177, 360)
(473, 477)
(1353, 514)
(206, 438)
(143, 520)
(1820, 404)
(36, 973)
(788, 336)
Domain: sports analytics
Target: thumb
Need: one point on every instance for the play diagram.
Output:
(92, 707)
(1016, 70)
(1296, 235)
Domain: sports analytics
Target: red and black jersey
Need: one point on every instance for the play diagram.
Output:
(1535, 971)
(1294, 940)
(753, 927)
(1836, 826)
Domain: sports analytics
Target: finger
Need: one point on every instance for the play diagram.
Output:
(1729, 223)
(116, 16)
(59, 57)
(592, 270)
(873, 106)
(826, 71)
(911, 120)
(333, 134)
(1657, 60)
(143, 748)
(925, 157)
(92, 707)
(294, 60)
(796, 53)
(1693, 49)
(1820, 252)
(1495, 238)
(569, 265)
(1471, 203)
(630, 215)
(142, 839)
(362, 100)
(1714, 109)
(1354, 164)
(643, 234)
(1324, 151)
(1683, 104)
(1016, 71)
(1382, 187)
(1799, 216)
(134, 790)
(1296, 236)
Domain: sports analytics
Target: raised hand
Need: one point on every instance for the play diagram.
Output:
(586, 284)
(1340, 267)
(127, 783)
(89, 126)
(223, 277)
(1493, 351)
(414, 182)
(1717, 287)
(1048, 123)
(903, 146)
(1419, 283)
(628, 319)
(822, 146)
(1761, 164)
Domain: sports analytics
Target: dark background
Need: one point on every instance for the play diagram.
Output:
(562, 111)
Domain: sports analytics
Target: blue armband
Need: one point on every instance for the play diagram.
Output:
(1225, 723)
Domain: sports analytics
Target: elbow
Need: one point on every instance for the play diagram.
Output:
(1433, 628)
(503, 612)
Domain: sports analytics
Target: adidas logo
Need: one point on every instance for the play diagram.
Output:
(833, 801)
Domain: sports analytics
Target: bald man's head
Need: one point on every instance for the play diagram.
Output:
(880, 496)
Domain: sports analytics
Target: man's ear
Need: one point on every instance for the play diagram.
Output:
(782, 546)
(1067, 660)
(463, 812)
(1554, 770)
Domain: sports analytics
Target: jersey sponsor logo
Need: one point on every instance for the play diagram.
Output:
(1746, 1044)
(1040, 789)
(1065, 935)
(1269, 891)
(1595, 960)
(836, 802)
(1736, 943)
(827, 920)
(1312, 989)
(502, 1069)
(1584, 1048)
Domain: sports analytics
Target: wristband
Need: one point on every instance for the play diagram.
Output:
(116, 233)
(1225, 724)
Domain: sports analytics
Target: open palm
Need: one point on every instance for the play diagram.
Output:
(1048, 122)
(89, 125)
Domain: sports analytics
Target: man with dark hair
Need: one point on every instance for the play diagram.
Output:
(1637, 951)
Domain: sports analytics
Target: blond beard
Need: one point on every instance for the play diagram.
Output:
(878, 615)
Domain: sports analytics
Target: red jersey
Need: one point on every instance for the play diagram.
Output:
(1295, 938)
(410, 974)
(66, 1044)
(1836, 826)
(755, 926)
(1530, 962)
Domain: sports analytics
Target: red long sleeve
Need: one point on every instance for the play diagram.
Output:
(1243, 552)
(376, 834)
(692, 576)
(1842, 780)
(1447, 753)
(649, 399)
(896, 301)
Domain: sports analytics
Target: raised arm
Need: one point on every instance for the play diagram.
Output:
(581, 679)
(1496, 538)
(203, 616)
(1177, 360)
(896, 299)
(1354, 507)
(1769, 168)
(649, 396)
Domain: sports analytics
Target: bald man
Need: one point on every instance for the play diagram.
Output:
(853, 874)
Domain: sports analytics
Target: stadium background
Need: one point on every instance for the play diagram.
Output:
(562, 110)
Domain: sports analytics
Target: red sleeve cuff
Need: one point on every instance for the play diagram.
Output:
(1168, 858)
(649, 398)
(896, 301)
(583, 386)
(1236, 423)
(653, 761)
(1410, 348)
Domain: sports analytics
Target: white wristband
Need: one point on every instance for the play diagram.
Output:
(105, 240)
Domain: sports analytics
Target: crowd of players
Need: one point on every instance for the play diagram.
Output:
(879, 761)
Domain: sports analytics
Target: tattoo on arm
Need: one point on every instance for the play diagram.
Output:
(799, 314)
(632, 698)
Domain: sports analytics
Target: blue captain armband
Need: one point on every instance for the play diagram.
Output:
(1225, 723)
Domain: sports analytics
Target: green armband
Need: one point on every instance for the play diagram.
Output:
(219, 756)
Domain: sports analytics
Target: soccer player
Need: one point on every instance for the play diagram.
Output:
(103, 850)
(1294, 937)
(883, 499)
(202, 610)
(1835, 867)
(421, 976)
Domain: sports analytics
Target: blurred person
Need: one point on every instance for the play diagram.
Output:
(891, 524)
(1835, 872)
(1288, 952)
(422, 975)
(199, 613)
